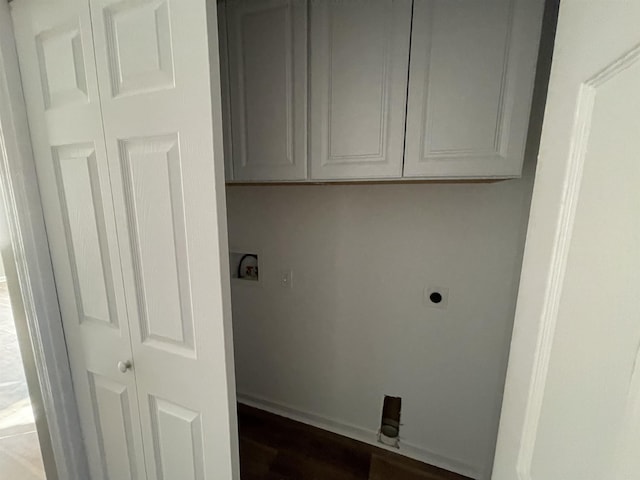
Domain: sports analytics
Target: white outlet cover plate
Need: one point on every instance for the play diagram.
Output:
(286, 279)
(444, 291)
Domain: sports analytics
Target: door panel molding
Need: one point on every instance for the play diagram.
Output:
(154, 198)
(383, 108)
(502, 116)
(151, 65)
(177, 440)
(358, 88)
(112, 410)
(84, 227)
(63, 82)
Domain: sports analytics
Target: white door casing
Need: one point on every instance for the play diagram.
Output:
(167, 176)
(572, 401)
(470, 84)
(358, 88)
(55, 48)
(267, 47)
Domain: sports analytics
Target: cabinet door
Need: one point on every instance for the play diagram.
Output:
(470, 87)
(165, 155)
(359, 67)
(267, 45)
(55, 49)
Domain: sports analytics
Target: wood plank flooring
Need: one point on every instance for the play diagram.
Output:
(276, 448)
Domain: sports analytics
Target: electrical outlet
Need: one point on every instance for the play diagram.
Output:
(436, 297)
(286, 279)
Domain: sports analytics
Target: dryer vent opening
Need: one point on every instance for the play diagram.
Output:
(390, 422)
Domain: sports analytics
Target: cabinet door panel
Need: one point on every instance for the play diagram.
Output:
(359, 64)
(268, 79)
(470, 86)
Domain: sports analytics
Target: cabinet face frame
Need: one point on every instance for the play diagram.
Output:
(342, 147)
(269, 139)
(499, 151)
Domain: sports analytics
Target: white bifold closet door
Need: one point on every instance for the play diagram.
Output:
(120, 109)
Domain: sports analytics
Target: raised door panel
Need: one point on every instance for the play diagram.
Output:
(113, 407)
(78, 187)
(62, 67)
(55, 50)
(165, 154)
(139, 42)
(267, 44)
(470, 87)
(359, 68)
(152, 175)
(177, 435)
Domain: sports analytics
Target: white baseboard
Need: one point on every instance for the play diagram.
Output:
(361, 434)
(3, 279)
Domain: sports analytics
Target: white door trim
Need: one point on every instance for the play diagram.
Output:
(33, 267)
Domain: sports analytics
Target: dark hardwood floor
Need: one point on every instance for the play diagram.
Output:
(276, 448)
